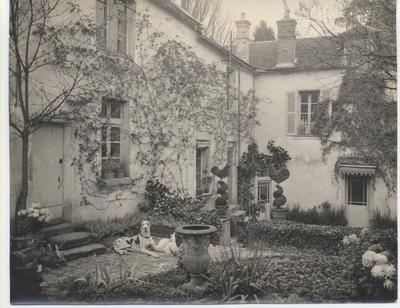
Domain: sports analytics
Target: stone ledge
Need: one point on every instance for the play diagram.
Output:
(117, 181)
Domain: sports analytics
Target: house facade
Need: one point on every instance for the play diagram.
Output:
(282, 73)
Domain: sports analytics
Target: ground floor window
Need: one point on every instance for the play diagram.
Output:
(263, 187)
(357, 190)
(202, 157)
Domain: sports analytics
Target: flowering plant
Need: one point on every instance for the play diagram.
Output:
(375, 276)
(31, 220)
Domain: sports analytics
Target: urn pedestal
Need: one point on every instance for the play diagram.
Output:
(196, 239)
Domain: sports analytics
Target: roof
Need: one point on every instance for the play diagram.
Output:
(184, 16)
(180, 13)
(311, 53)
(356, 166)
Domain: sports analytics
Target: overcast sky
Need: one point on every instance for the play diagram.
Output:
(273, 10)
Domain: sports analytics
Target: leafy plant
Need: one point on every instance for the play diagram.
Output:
(381, 221)
(50, 257)
(31, 220)
(238, 278)
(322, 214)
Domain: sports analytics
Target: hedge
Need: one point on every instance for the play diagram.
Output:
(302, 236)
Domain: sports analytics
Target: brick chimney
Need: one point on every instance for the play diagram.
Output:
(286, 41)
(241, 41)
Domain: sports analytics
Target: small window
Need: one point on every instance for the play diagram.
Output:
(264, 191)
(357, 190)
(101, 22)
(202, 176)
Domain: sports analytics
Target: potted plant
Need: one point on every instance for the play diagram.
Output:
(279, 175)
(109, 167)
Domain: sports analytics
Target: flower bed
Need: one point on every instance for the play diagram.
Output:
(302, 236)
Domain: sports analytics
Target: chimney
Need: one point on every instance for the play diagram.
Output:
(286, 40)
(241, 41)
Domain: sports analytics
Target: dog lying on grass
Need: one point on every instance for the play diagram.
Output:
(144, 243)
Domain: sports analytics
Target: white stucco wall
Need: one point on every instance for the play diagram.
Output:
(311, 180)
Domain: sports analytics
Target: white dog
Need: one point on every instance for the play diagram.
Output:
(168, 245)
(143, 242)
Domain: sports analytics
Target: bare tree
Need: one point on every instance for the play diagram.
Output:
(52, 68)
(217, 24)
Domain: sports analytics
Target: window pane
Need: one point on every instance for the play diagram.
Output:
(115, 134)
(104, 133)
(304, 98)
(304, 118)
(103, 150)
(314, 97)
(304, 108)
(198, 169)
(263, 191)
(115, 150)
(314, 108)
(103, 112)
(115, 111)
(357, 191)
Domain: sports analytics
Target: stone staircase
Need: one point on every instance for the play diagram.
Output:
(71, 243)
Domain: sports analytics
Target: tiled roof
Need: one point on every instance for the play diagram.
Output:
(311, 53)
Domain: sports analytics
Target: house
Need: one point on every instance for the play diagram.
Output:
(296, 75)
(282, 71)
(56, 182)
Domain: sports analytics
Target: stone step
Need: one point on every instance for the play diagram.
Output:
(71, 240)
(55, 221)
(83, 251)
(62, 228)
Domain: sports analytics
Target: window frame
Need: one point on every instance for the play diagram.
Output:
(263, 179)
(110, 122)
(202, 160)
(366, 190)
(124, 18)
(309, 113)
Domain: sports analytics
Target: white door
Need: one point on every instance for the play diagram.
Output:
(47, 167)
(357, 201)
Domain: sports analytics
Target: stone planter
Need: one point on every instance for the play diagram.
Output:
(278, 214)
(196, 239)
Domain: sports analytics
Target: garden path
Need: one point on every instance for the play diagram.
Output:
(142, 264)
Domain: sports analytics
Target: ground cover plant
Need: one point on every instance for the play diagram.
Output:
(322, 214)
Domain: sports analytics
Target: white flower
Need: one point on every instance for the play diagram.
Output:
(47, 219)
(35, 205)
(350, 240)
(35, 214)
(363, 232)
(388, 284)
(41, 218)
(368, 258)
(381, 259)
(383, 271)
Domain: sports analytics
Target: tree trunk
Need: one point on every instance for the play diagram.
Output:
(21, 203)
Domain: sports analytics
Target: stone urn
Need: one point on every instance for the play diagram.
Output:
(196, 239)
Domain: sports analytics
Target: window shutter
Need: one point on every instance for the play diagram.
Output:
(291, 113)
(113, 25)
(100, 22)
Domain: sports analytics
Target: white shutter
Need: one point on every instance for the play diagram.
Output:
(291, 113)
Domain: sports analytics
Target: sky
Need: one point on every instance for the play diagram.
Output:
(273, 10)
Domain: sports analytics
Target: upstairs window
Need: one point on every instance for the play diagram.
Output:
(121, 26)
(101, 22)
(308, 107)
(111, 115)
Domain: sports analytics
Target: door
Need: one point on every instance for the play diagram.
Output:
(47, 167)
(357, 201)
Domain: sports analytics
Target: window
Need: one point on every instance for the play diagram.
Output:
(308, 107)
(101, 22)
(202, 155)
(263, 189)
(121, 26)
(111, 114)
(113, 20)
(357, 190)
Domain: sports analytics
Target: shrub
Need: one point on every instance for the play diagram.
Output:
(381, 221)
(322, 214)
(323, 238)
